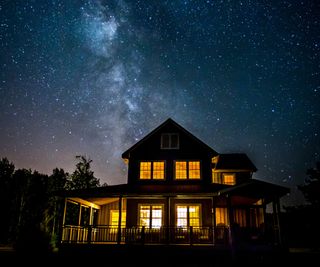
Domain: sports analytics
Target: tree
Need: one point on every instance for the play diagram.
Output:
(6, 198)
(311, 188)
(83, 177)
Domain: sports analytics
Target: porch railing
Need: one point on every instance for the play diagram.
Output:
(103, 234)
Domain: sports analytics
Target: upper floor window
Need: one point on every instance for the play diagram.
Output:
(187, 170)
(223, 178)
(170, 141)
(152, 170)
(229, 178)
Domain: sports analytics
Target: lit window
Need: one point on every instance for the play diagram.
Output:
(188, 215)
(187, 170)
(170, 141)
(114, 218)
(216, 177)
(152, 170)
(158, 170)
(150, 216)
(239, 217)
(229, 179)
(221, 217)
(181, 170)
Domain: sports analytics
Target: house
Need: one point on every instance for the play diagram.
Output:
(179, 191)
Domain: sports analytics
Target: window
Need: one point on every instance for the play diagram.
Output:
(223, 178)
(221, 217)
(152, 170)
(229, 178)
(150, 216)
(188, 215)
(170, 141)
(114, 218)
(239, 217)
(187, 170)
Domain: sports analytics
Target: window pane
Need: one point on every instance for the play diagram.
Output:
(194, 170)
(194, 216)
(165, 141)
(182, 216)
(158, 170)
(182, 222)
(229, 179)
(216, 177)
(145, 170)
(144, 218)
(114, 218)
(174, 141)
(221, 217)
(181, 169)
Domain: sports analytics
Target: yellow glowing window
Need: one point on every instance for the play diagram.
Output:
(187, 170)
(194, 169)
(158, 170)
(150, 216)
(114, 218)
(216, 177)
(152, 170)
(145, 170)
(221, 217)
(188, 215)
(181, 170)
(229, 179)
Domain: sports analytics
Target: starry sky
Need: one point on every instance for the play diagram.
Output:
(94, 77)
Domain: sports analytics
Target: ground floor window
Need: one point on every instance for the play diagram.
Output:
(221, 217)
(150, 216)
(188, 215)
(114, 218)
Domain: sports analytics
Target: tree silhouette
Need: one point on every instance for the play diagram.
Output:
(83, 176)
(311, 188)
(6, 198)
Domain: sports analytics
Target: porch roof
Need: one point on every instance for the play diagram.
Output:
(253, 188)
(256, 189)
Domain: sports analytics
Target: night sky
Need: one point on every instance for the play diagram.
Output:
(94, 77)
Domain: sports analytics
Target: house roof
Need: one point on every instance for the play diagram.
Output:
(126, 154)
(235, 161)
(256, 189)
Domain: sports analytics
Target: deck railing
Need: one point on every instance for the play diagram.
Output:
(103, 234)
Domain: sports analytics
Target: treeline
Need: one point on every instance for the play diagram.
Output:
(301, 223)
(31, 207)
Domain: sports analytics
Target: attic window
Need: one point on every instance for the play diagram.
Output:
(170, 141)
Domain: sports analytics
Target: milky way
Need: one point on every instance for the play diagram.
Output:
(94, 77)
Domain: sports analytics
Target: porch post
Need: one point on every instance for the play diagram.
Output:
(213, 207)
(168, 221)
(230, 215)
(119, 221)
(64, 212)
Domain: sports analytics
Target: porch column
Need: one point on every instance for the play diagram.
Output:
(230, 217)
(119, 222)
(213, 207)
(276, 226)
(64, 212)
(168, 220)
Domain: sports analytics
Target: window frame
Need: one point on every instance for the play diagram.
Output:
(152, 170)
(188, 205)
(187, 170)
(170, 141)
(150, 217)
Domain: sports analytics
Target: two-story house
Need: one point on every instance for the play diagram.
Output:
(179, 191)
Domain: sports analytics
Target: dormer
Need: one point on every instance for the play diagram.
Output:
(231, 169)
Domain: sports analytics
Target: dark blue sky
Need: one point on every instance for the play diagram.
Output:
(94, 77)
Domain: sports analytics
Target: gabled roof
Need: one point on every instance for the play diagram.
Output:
(235, 161)
(126, 154)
